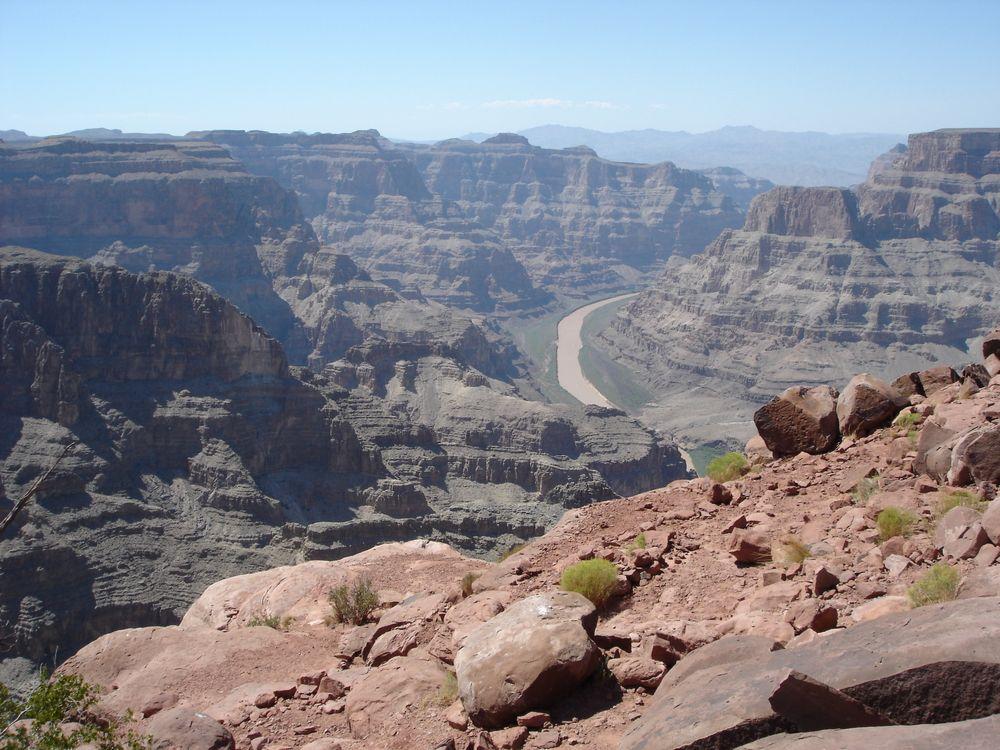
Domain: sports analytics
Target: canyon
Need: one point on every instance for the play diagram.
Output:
(776, 609)
(198, 452)
(273, 363)
(496, 227)
(899, 274)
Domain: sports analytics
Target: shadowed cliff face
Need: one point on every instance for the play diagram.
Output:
(200, 454)
(489, 226)
(824, 282)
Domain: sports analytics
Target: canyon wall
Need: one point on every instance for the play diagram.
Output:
(823, 282)
(199, 453)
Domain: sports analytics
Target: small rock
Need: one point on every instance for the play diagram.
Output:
(987, 555)
(456, 716)
(509, 739)
(885, 605)
(637, 671)
(749, 546)
(534, 719)
(896, 564)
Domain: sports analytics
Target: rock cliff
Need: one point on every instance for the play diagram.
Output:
(180, 206)
(187, 206)
(201, 454)
(492, 226)
(576, 221)
(365, 197)
(824, 282)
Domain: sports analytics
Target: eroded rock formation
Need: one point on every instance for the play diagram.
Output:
(821, 283)
(200, 453)
(491, 226)
(843, 646)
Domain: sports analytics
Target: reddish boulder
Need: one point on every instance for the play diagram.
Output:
(934, 379)
(526, 657)
(637, 671)
(799, 420)
(976, 456)
(866, 404)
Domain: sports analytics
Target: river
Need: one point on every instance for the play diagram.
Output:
(568, 346)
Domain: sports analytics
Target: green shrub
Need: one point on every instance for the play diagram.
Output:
(865, 489)
(732, 465)
(912, 436)
(789, 549)
(447, 693)
(894, 521)
(65, 698)
(354, 604)
(638, 543)
(594, 579)
(467, 580)
(963, 498)
(939, 584)
(270, 621)
(907, 419)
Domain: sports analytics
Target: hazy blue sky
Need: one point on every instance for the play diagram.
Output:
(435, 69)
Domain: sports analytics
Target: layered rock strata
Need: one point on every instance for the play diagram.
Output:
(856, 640)
(200, 453)
(490, 226)
(821, 283)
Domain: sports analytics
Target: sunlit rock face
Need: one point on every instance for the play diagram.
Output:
(821, 283)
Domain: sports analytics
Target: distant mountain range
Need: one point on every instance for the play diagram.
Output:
(786, 158)
(91, 134)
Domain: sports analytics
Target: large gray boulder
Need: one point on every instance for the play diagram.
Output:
(526, 657)
(184, 729)
(800, 419)
(946, 651)
(975, 734)
(866, 404)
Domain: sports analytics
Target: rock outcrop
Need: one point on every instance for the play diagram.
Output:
(799, 420)
(822, 283)
(874, 663)
(199, 453)
(188, 206)
(181, 206)
(364, 195)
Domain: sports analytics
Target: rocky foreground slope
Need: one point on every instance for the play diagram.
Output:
(493, 226)
(821, 283)
(198, 453)
(846, 596)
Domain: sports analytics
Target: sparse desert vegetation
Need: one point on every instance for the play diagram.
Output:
(594, 579)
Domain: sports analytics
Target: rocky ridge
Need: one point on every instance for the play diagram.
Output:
(200, 453)
(493, 226)
(821, 283)
(773, 610)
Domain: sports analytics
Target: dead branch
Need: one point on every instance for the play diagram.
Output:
(33, 490)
